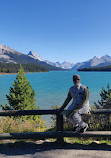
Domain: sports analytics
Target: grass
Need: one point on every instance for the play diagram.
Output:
(87, 141)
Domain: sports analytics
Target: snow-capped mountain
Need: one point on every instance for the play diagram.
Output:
(5, 54)
(4, 48)
(64, 65)
(34, 55)
(10, 55)
(94, 62)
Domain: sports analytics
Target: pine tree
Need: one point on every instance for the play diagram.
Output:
(21, 95)
(105, 102)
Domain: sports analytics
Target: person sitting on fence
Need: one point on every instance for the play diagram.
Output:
(80, 105)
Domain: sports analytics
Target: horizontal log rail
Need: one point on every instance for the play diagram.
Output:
(45, 112)
(101, 111)
(59, 134)
(27, 112)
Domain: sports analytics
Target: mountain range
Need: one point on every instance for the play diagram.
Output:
(94, 62)
(10, 55)
(64, 65)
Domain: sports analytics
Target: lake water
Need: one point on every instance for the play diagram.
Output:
(51, 88)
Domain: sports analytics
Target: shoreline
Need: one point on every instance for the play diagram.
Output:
(2, 73)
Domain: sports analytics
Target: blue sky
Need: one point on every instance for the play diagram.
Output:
(58, 30)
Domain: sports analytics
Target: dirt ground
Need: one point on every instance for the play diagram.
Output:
(22, 149)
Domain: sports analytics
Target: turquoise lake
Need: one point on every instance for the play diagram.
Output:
(51, 88)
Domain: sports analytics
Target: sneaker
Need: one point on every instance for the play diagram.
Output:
(82, 130)
(75, 129)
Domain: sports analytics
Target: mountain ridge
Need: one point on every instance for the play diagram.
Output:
(10, 55)
(94, 62)
(64, 65)
(34, 55)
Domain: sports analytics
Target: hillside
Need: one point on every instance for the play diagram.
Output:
(94, 62)
(14, 68)
(9, 55)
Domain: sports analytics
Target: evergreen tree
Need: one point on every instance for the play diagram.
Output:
(21, 95)
(105, 102)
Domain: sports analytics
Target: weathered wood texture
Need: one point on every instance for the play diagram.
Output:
(45, 112)
(59, 127)
(26, 112)
(59, 134)
(101, 111)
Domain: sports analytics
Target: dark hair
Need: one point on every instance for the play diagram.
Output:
(76, 76)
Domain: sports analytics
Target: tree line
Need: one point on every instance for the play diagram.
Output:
(103, 68)
(14, 68)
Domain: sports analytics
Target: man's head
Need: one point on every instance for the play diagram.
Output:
(76, 79)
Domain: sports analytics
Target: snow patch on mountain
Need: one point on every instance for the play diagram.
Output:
(34, 55)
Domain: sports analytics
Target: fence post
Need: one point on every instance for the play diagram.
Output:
(59, 127)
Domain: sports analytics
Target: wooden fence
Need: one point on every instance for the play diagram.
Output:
(59, 133)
